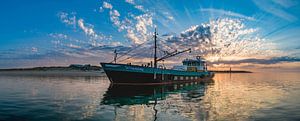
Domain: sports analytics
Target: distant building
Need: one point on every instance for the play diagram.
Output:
(81, 67)
(85, 67)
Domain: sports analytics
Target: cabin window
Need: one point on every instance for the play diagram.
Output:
(181, 77)
(175, 77)
(196, 77)
(192, 77)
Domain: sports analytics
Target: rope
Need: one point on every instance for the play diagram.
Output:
(131, 50)
(136, 54)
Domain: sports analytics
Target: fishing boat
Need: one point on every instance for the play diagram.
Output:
(191, 70)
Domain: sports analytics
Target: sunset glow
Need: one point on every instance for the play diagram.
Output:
(247, 35)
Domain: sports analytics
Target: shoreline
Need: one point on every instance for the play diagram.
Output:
(70, 72)
(58, 73)
(237, 71)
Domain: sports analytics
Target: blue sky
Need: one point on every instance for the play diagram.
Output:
(61, 32)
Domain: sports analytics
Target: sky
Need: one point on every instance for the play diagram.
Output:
(245, 34)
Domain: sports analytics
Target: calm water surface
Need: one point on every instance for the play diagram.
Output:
(255, 96)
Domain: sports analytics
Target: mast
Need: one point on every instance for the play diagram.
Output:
(155, 49)
(115, 57)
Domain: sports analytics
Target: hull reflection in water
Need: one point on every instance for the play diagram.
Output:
(150, 94)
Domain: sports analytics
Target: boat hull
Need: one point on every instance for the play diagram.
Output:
(139, 75)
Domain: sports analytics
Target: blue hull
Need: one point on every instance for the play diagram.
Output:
(132, 74)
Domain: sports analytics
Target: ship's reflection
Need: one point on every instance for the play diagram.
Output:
(150, 94)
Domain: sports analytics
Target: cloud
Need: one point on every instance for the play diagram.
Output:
(58, 38)
(273, 60)
(132, 36)
(51, 58)
(137, 32)
(69, 19)
(139, 7)
(143, 21)
(73, 46)
(105, 51)
(275, 9)
(58, 35)
(26, 54)
(217, 40)
(286, 3)
(222, 39)
(87, 30)
(111, 48)
(136, 28)
(95, 38)
(227, 13)
(168, 16)
(114, 17)
(34, 49)
(130, 1)
(107, 5)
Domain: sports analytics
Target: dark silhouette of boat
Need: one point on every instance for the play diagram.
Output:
(192, 70)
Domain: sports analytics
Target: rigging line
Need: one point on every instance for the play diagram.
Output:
(161, 50)
(151, 52)
(136, 47)
(129, 57)
(160, 47)
(141, 54)
(125, 59)
(166, 51)
(166, 44)
(168, 48)
(134, 55)
(133, 49)
(161, 53)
